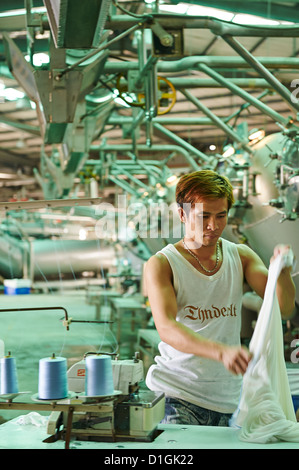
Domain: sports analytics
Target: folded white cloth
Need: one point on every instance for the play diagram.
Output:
(266, 412)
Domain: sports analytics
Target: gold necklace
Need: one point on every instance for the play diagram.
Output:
(202, 267)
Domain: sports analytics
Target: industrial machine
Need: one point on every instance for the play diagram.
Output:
(83, 95)
(124, 106)
(128, 414)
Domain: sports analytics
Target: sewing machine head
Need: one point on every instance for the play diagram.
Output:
(131, 414)
(127, 374)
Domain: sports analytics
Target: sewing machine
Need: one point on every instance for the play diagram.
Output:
(130, 414)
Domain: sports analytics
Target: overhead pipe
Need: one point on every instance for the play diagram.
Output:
(48, 204)
(244, 106)
(244, 95)
(219, 123)
(186, 63)
(144, 148)
(134, 165)
(135, 122)
(166, 39)
(122, 171)
(184, 144)
(147, 67)
(35, 130)
(194, 82)
(218, 27)
(129, 165)
(49, 255)
(263, 71)
(145, 167)
(123, 120)
(184, 120)
(166, 21)
(148, 76)
(122, 184)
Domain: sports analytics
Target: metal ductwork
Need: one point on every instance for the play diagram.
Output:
(76, 24)
(44, 259)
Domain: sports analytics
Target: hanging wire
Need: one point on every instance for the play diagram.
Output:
(116, 346)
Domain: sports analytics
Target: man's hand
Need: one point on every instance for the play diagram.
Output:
(235, 359)
(284, 250)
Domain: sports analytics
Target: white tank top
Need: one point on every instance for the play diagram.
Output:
(210, 306)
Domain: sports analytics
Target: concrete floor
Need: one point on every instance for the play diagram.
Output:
(32, 335)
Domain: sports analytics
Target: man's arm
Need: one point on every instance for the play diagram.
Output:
(162, 299)
(256, 275)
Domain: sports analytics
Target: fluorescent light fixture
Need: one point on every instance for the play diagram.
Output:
(212, 147)
(228, 151)
(253, 20)
(197, 10)
(100, 96)
(22, 11)
(39, 59)
(82, 234)
(171, 180)
(257, 134)
(10, 94)
(122, 102)
(6, 176)
(180, 8)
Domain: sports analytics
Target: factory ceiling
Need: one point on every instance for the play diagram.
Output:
(81, 82)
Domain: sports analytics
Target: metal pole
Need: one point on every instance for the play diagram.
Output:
(253, 62)
(142, 148)
(218, 27)
(189, 63)
(122, 184)
(219, 123)
(184, 144)
(244, 106)
(48, 203)
(244, 95)
(101, 48)
(122, 171)
(126, 120)
(181, 82)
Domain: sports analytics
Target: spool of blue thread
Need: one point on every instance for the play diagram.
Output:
(52, 381)
(9, 377)
(98, 375)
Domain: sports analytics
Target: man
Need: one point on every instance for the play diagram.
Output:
(195, 290)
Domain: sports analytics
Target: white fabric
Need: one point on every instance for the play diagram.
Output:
(266, 412)
(210, 306)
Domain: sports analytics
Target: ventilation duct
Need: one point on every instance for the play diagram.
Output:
(77, 24)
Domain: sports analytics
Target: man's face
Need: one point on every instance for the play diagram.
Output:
(205, 222)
